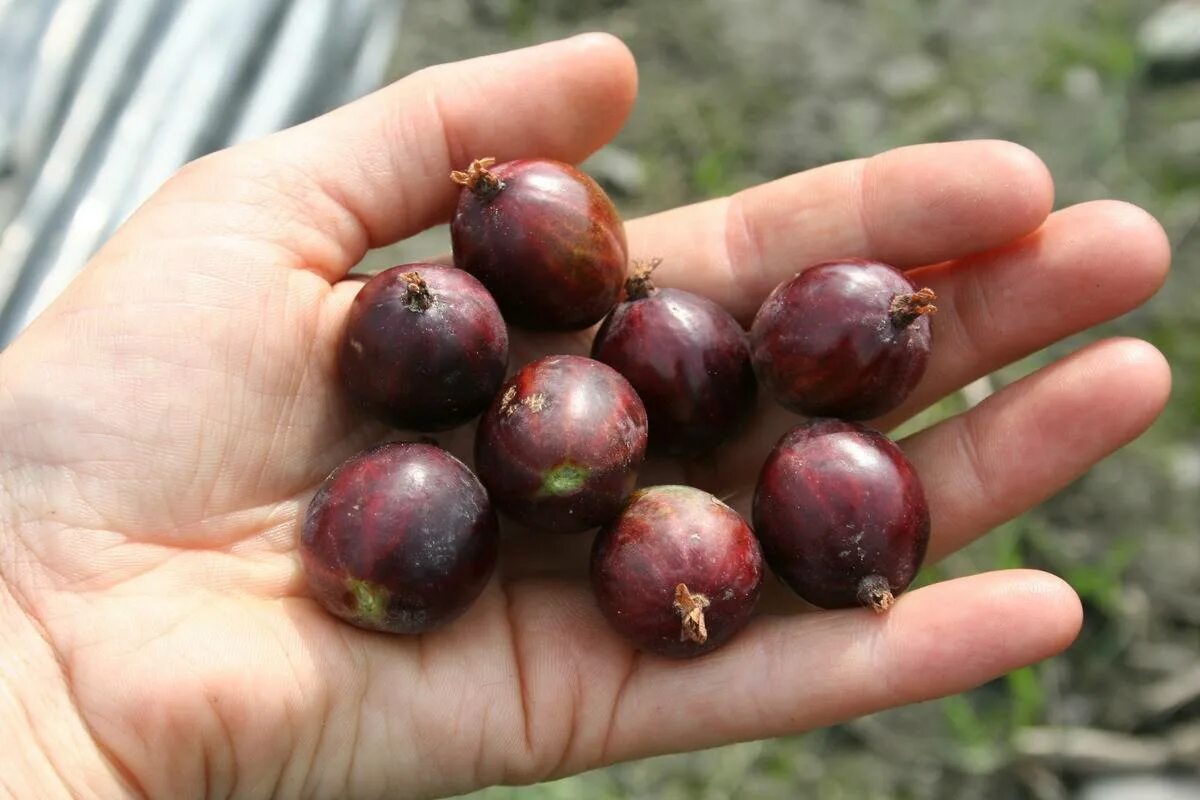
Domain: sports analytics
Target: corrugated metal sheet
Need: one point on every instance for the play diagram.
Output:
(101, 100)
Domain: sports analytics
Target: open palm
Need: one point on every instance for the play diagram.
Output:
(164, 424)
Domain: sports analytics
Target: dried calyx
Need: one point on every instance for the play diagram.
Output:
(478, 179)
(906, 308)
(691, 612)
(417, 296)
(638, 285)
(875, 594)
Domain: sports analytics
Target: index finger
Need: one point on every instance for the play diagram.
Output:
(908, 207)
(374, 171)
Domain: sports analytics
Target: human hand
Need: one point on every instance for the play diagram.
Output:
(164, 424)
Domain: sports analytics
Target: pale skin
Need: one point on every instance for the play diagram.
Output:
(164, 423)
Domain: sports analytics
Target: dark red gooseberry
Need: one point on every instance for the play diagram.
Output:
(846, 339)
(688, 359)
(841, 515)
(544, 238)
(400, 538)
(678, 573)
(425, 347)
(560, 447)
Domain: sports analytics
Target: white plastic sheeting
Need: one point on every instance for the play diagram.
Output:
(101, 100)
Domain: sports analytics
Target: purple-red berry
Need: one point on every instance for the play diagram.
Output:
(560, 447)
(400, 538)
(688, 359)
(543, 237)
(425, 347)
(847, 339)
(678, 573)
(841, 515)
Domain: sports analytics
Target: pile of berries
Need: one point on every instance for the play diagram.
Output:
(404, 536)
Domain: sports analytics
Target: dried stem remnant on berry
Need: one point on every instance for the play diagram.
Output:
(691, 611)
(875, 594)
(543, 238)
(638, 285)
(482, 183)
(416, 295)
(906, 308)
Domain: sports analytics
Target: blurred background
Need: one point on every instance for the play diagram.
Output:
(99, 101)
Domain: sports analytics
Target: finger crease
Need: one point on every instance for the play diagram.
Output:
(861, 180)
(744, 262)
(972, 469)
(617, 707)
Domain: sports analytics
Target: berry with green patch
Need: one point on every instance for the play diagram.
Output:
(560, 447)
(400, 538)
